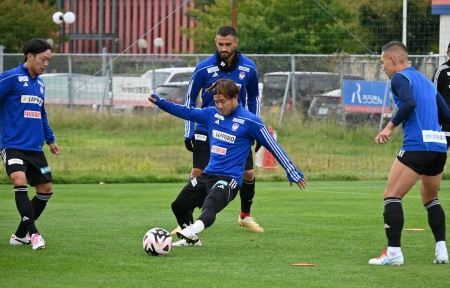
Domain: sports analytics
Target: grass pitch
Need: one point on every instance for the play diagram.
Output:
(94, 239)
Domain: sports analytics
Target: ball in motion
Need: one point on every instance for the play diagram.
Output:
(157, 242)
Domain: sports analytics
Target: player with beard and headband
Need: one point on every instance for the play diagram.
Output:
(225, 63)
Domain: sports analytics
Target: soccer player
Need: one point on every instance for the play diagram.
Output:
(422, 156)
(23, 129)
(441, 80)
(232, 131)
(228, 63)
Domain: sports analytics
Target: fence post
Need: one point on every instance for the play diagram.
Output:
(2, 48)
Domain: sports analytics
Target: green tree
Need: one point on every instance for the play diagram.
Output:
(281, 27)
(21, 20)
(383, 22)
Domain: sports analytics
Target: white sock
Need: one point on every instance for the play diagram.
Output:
(198, 226)
(440, 246)
(394, 251)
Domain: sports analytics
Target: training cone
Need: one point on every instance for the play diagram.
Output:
(264, 158)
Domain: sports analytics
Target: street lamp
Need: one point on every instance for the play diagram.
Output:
(158, 42)
(60, 18)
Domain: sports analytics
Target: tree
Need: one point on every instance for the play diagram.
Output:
(21, 20)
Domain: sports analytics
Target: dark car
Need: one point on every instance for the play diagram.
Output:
(173, 92)
(305, 85)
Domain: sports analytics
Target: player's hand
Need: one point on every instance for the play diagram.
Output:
(153, 98)
(257, 146)
(54, 148)
(189, 144)
(385, 135)
(302, 184)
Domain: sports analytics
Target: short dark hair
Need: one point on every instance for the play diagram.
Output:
(226, 30)
(395, 45)
(35, 46)
(226, 87)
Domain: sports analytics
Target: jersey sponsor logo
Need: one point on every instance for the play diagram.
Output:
(241, 75)
(218, 150)
(23, 78)
(213, 69)
(15, 161)
(219, 116)
(223, 136)
(400, 153)
(32, 114)
(31, 99)
(45, 169)
(235, 126)
(242, 121)
(433, 136)
(200, 137)
(242, 68)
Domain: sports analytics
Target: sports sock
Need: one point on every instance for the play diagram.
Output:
(243, 215)
(247, 192)
(26, 211)
(436, 219)
(441, 246)
(394, 251)
(198, 226)
(39, 203)
(393, 220)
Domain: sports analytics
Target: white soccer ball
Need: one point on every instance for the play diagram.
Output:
(157, 242)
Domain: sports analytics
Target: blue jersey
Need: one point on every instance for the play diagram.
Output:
(421, 128)
(23, 120)
(230, 139)
(207, 72)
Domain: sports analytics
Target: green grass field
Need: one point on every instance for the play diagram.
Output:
(94, 235)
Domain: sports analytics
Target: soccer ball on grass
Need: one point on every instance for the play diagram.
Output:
(157, 242)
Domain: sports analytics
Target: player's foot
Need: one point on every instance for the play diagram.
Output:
(174, 231)
(14, 240)
(188, 235)
(441, 257)
(384, 259)
(250, 223)
(184, 243)
(37, 241)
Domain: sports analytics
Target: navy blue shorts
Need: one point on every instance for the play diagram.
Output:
(33, 163)
(423, 162)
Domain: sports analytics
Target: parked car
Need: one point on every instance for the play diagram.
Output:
(306, 85)
(173, 92)
(329, 106)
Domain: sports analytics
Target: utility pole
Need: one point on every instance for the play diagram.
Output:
(233, 13)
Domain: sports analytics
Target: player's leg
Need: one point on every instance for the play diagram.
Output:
(401, 179)
(222, 190)
(429, 189)
(191, 196)
(200, 159)
(247, 193)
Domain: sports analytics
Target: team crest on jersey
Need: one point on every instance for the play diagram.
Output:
(238, 120)
(241, 75)
(213, 69)
(242, 68)
(23, 78)
(42, 90)
(218, 150)
(235, 126)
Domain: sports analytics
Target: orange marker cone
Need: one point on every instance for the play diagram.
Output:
(269, 162)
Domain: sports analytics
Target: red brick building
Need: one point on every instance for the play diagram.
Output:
(118, 24)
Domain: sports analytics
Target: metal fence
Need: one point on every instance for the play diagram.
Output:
(116, 80)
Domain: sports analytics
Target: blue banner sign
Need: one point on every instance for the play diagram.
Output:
(366, 97)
